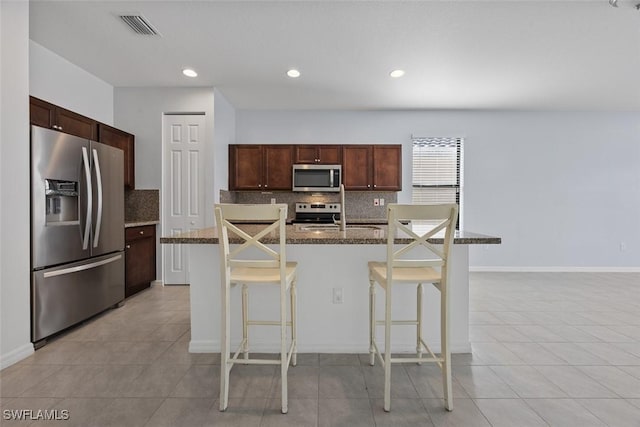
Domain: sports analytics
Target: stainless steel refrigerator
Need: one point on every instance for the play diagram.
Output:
(77, 230)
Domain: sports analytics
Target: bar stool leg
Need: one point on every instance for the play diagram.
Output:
(446, 351)
(387, 348)
(283, 349)
(372, 322)
(245, 321)
(225, 343)
(294, 327)
(419, 322)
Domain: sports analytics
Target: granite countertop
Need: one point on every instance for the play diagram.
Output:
(296, 234)
(140, 223)
(374, 221)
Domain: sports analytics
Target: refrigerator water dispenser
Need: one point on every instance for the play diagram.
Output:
(62, 202)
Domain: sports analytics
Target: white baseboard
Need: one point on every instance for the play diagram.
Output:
(496, 269)
(157, 283)
(204, 346)
(16, 355)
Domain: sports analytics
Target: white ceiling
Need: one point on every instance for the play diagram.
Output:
(510, 54)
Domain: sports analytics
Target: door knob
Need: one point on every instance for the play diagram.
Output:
(192, 222)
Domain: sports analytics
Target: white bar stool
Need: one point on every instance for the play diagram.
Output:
(426, 221)
(274, 270)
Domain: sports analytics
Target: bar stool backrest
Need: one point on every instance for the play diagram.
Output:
(425, 222)
(273, 216)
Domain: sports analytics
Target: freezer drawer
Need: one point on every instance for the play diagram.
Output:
(65, 295)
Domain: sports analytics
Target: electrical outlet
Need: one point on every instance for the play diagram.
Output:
(381, 202)
(338, 297)
(376, 202)
(273, 200)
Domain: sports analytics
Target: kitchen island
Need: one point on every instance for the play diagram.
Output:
(333, 291)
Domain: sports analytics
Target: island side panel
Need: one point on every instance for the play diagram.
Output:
(322, 325)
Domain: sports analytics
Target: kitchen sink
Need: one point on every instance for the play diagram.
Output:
(336, 227)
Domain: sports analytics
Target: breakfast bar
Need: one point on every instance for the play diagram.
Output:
(333, 290)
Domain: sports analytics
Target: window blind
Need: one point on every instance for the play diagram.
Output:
(437, 167)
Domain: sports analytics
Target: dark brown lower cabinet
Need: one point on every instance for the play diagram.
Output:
(140, 258)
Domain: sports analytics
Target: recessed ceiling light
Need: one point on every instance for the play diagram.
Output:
(293, 73)
(189, 72)
(397, 73)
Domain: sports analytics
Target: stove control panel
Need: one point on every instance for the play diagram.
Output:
(318, 207)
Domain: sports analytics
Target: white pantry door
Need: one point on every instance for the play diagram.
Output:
(183, 142)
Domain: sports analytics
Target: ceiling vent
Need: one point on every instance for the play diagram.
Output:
(139, 24)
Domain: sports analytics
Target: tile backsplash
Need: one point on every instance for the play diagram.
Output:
(359, 204)
(141, 205)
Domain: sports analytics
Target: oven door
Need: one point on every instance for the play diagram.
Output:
(316, 218)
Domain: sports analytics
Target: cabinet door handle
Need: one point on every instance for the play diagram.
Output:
(265, 186)
(368, 185)
(142, 232)
(259, 185)
(128, 246)
(374, 185)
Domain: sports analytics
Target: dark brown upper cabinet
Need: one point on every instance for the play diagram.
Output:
(318, 154)
(372, 167)
(51, 116)
(268, 167)
(260, 167)
(126, 142)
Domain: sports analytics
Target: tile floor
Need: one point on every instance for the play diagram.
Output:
(549, 349)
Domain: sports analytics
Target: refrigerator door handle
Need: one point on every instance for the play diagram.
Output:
(84, 267)
(87, 174)
(96, 163)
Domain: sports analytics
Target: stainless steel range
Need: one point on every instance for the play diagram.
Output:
(317, 213)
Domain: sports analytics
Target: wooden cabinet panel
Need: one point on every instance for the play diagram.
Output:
(51, 116)
(41, 113)
(140, 258)
(318, 154)
(330, 154)
(372, 167)
(245, 167)
(75, 124)
(260, 167)
(124, 141)
(305, 154)
(387, 167)
(278, 161)
(356, 167)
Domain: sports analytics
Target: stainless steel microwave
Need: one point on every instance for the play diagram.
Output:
(317, 178)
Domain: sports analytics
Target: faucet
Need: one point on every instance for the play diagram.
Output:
(343, 210)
